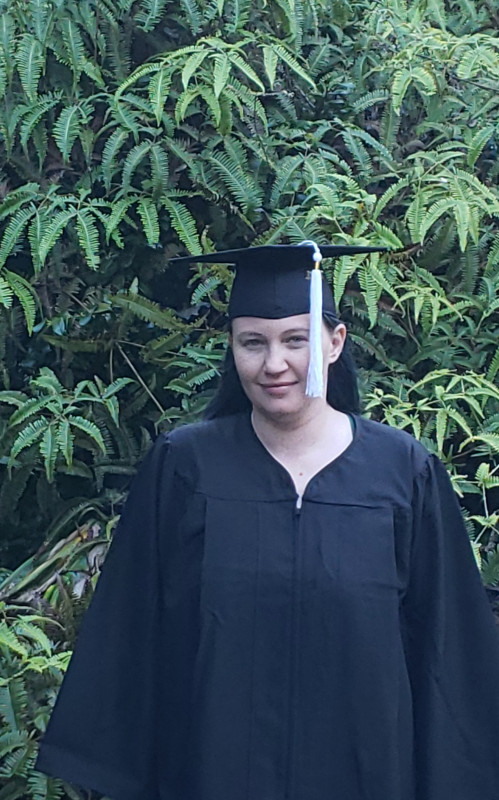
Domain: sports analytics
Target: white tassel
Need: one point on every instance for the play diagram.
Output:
(315, 377)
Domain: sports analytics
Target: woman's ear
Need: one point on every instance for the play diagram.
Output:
(336, 343)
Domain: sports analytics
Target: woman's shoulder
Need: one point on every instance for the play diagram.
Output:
(206, 432)
(393, 444)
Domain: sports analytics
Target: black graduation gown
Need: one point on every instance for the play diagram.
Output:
(238, 648)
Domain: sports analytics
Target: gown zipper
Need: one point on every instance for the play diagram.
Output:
(297, 512)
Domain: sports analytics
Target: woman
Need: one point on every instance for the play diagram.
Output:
(290, 609)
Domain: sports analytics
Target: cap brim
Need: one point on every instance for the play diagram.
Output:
(279, 250)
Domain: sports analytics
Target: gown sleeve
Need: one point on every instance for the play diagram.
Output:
(452, 652)
(101, 734)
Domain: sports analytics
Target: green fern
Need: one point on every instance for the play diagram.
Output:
(53, 232)
(477, 144)
(229, 167)
(183, 224)
(150, 14)
(132, 161)
(370, 99)
(30, 434)
(289, 59)
(89, 428)
(74, 47)
(147, 310)
(88, 237)
(111, 149)
(358, 152)
(65, 441)
(288, 167)
(159, 87)
(32, 114)
(26, 295)
(15, 230)
(68, 128)
(30, 62)
(148, 214)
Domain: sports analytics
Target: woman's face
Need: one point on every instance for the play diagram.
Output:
(271, 358)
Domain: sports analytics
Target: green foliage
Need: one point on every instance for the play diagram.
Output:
(49, 417)
(134, 132)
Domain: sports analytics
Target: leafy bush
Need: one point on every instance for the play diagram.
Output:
(131, 132)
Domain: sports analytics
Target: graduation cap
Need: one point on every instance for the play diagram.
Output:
(281, 280)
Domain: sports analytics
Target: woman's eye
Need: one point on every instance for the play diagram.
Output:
(252, 343)
(297, 340)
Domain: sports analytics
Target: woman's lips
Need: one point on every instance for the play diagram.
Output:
(276, 388)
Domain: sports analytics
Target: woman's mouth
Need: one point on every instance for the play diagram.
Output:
(277, 388)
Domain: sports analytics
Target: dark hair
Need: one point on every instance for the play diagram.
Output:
(342, 389)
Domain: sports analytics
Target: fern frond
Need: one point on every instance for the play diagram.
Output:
(415, 215)
(287, 168)
(477, 144)
(239, 182)
(11, 740)
(111, 150)
(270, 63)
(118, 212)
(213, 104)
(30, 62)
(192, 65)
(437, 210)
(149, 14)
(493, 367)
(65, 441)
(7, 41)
(148, 214)
(89, 428)
(148, 311)
(291, 62)
(17, 198)
(34, 113)
(74, 46)
(238, 61)
(193, 16)
(184, 101)
(132, 161)
(358, 152)
(88, 237)
(67, 128)
(49, 449)
(6, 293)
(26, 295)
(370, 99)
(159, 87)
(159, 169)
(184, 224)
(10, 641)
(15, 230)
(48, 381)
(30, 631)
(137, 75)
(28, 436)
(401, 82)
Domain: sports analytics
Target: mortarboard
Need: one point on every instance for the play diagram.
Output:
(281, 280)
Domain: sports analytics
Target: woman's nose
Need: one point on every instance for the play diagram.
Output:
(275, 360)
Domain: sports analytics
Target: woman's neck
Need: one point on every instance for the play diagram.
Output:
(307, 432)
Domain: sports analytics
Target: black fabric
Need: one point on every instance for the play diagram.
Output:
(240, 649)
(272, 281)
